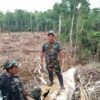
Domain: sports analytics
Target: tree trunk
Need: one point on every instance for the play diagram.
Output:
(31, 23)
(71, 34)
(60, 24)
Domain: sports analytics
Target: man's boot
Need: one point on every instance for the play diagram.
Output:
(50, 79)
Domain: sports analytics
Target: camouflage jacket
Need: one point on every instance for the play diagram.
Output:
(51, 52)
(11, 87)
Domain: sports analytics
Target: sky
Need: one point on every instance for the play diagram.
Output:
(34, 5)
(94, 3)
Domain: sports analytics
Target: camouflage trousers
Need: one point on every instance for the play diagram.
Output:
(57, 69)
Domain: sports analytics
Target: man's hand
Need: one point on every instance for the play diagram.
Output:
(43, 69)
(25, 93)
(60, 58)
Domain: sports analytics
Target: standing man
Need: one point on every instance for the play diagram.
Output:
(53, 58)
(11, 86)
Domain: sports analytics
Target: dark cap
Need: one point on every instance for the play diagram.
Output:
(51, 33)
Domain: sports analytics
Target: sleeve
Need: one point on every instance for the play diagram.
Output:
(43, 48)
(0, 82)
(3, 83)
(21, 84)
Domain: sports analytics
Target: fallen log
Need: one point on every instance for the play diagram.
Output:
(69, 84)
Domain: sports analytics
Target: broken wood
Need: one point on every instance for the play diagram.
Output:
(69, 84)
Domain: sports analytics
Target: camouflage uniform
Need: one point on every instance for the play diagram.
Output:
(36, 93)
(51, 57)
(11, 87)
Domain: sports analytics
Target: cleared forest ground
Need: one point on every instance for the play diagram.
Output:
(25, 47)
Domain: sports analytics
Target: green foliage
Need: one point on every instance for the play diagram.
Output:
(63, 37)
(22, 20)
(86, 23)
(96, 34)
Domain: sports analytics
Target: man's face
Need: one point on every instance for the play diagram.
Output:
(51, 38)
(13, 70)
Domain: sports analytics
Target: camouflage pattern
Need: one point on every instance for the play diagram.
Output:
(10, 63)
(51, 53)
(51, 32)
(36, 93)
(51, 57)
(11, 87)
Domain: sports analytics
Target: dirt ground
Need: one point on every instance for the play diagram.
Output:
(25, 47)
(21, 46)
